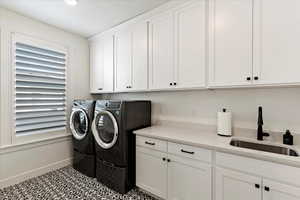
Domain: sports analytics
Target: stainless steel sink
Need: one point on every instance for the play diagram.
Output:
(264, 147)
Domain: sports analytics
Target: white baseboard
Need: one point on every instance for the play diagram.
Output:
(34, 173)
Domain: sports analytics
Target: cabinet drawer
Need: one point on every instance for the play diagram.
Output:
(151, 143)
(190, 152)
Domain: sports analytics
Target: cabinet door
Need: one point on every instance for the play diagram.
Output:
(123, 60)
(161, 51)
(276, 41)
(108, 63)
(188, 179)
(151, 171)
(96, 66)
(140, 57)
(230, 43)
(231, 185)
(278, 191)
(101, 65)
(190, 45)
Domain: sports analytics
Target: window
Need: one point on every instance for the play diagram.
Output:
(40, 88)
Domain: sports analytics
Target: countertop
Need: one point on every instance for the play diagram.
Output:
(205, 136)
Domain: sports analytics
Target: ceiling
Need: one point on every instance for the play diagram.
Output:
(88, 18)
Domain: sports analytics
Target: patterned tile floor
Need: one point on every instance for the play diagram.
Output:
(66, 183)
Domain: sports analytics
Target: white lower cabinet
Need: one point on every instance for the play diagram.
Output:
(188, 179)
(276, 191)
(172, 177)
(231, 185)
(175, 171)
(234, 182)
(151, 171)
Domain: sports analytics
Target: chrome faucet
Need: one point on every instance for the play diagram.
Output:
(260, 123)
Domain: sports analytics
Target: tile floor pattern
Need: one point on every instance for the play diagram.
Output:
(66, 183)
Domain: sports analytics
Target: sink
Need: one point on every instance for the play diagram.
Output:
(264, 147)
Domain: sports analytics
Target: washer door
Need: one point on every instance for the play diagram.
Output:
(105, 129)
(79, 123)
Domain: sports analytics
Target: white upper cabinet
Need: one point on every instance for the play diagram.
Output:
(230, 62)
(161, 46)
(140, 56)
(190, 45)
(123, 60)
(276, 42)
(131, 58)
(178, 47)
(102, 65)
(201, 44)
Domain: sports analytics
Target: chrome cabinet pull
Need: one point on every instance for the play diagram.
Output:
(189, 152)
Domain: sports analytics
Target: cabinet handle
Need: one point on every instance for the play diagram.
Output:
(171, 84)
(189, 152)
(168, 160)
(129, 86)
(257, 186)
(248, 78)
(175, 83)
(164, 159)
(150, 143)
(100, 88)
(267, 189)
(256, 78)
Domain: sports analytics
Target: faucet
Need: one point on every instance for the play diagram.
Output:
(260, 123)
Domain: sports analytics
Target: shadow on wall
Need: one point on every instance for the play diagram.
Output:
(281, 106)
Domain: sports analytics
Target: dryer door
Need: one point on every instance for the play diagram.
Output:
(79, 123)
(105, 129)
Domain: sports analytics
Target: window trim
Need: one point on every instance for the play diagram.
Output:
(21, 139)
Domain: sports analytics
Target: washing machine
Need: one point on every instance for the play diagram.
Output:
(83, 140)
(113, 126)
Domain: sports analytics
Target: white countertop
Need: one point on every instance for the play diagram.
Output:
(205, 136)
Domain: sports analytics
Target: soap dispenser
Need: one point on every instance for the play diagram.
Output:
(288, 138)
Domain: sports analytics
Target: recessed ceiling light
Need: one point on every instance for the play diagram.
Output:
(71, 2)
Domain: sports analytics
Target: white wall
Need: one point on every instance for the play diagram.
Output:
(23, 161)
(281, 106)
(20, 163)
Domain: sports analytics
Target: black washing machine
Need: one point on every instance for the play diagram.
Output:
(114, 122)
(83, 139)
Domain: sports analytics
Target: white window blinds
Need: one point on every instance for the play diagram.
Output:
(40, 89)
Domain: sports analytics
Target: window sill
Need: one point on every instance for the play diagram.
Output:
(35, 143)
